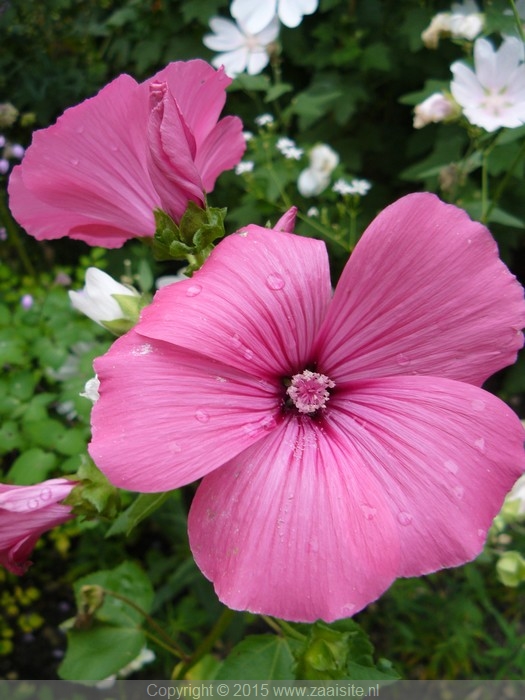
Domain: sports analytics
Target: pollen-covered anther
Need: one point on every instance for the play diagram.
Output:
(309, 391)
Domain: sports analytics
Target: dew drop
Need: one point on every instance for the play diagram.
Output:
(222, 380)
(368, 511)
(114, 148)
(33, 503)
(202, 416)
(236, 341)
(275, 282)
(478, 405)
(248, 354)
(194, 290)
(482, 534)
(348, 608)
(480, 444)
(459, 491)
(74, 161)
(243, 234)
(403, 360)
(174, 447)
(404, 518)
(451, 466)
(45, 494)
(80, 129)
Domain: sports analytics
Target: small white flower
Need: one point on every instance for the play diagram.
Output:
(293, 153)
(355, 186)
(245, 166)
(434, 109)
(316, 178)
(464, 21)
(284, 143)
(247, 135)
(312, 212)
(257, 14)
(493, 95)
(264, 119)
(91, 389)
(240, 50)
(97, 300)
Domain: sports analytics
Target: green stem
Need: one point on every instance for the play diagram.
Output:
(206, 645)
(353, 228)
(323, 230)
(504, 182)
(517, 18)
(290, 631)
(484, 188)
(14, 237)
(168, 641)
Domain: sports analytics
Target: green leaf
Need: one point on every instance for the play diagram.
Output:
(10, 438)
(32, 466)
(260, 657)
(497, 215)
(143, 506)
(99, 652)
(276, 91)
(251, 83)
(127, 580)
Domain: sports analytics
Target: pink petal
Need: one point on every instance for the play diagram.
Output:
(200, 93)
(171, 154)
(256, 305)
(287, 221)
(424, 292)
(288, 528)
(166, 416)
(221, 151)
(436, 448)
(86, 176)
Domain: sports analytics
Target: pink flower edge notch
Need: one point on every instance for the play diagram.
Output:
(343, 442)
(26, 512)
(98, 174)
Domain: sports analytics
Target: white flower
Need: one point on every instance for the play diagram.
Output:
(518, 494)
(355, 186)
(245, 166)
(97, 299)
(312, 212)
(493, 95)
(293, 153)
(264, 119)
(464, 21)
(434, 109)
(247, 135)
(257, 14)
(284, 143)
(316, 178)
(240, 50)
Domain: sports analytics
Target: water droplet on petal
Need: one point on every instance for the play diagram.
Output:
(348, 608)
(478, 405)
(202, 416)
(451, 466)
(402, 359)
(368, 511)
(243, 234)
(404, 518)
(275, 282)
(80, 129)
(174, 446)
(194, 290)
(248, 354)
(45, 494)
(459, 491)
(74, 161)
(482, 534)
(236, 341)
(480, 444)
(33, 503)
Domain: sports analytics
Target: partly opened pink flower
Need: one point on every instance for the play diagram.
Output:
(344, 441)
(101, 170)
(26, 512)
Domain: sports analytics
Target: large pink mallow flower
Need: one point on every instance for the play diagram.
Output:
(101, 170)
(26, 512)
(344, 441)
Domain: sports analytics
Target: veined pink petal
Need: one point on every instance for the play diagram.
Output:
(295, 527)
(214, 157)
(200, 92)
(424, 292)
(436, 448)
(26, 512)
(251, 306)
(86, 175)
(287, 221)
(167, 416)
(171, 154)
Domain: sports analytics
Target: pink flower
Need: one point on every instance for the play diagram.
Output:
(101, 170)
(343, 441)
(26, 512)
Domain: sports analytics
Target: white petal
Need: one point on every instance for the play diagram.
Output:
(253, 15)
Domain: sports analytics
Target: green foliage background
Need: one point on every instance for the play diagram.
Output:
(349, 76)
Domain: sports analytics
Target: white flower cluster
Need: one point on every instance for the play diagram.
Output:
(492, 93)
(355, 187)
(316, 177)
(245, 44)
